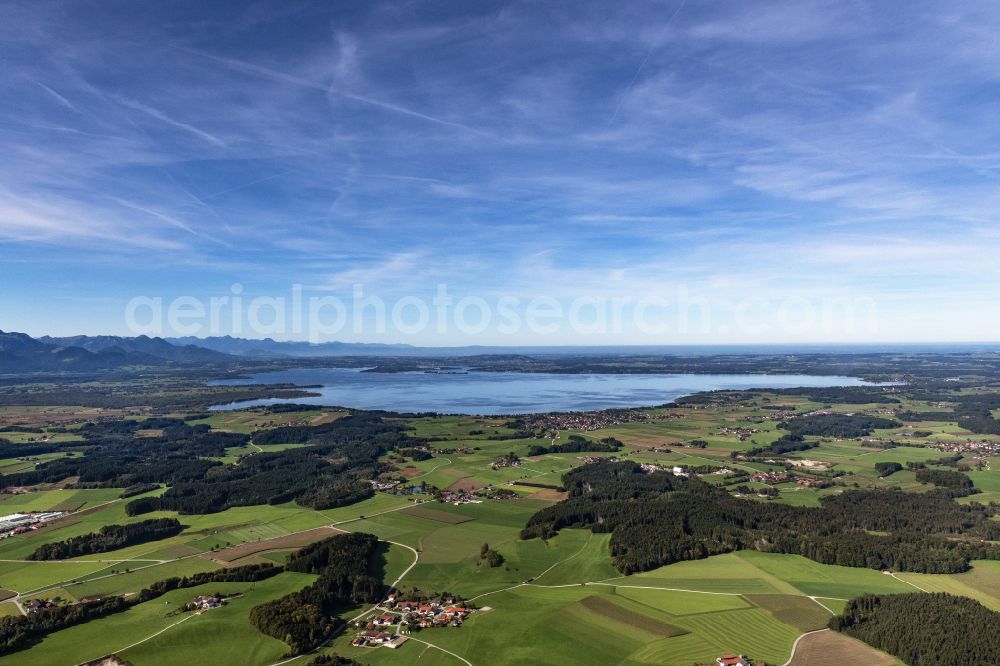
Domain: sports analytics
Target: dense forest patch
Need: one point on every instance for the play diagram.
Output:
(304, 619)
(885, 469)
(578, 444)
(780, 446)
(657, 519)
(924, 629)
(843, 426)
(328, 472)
(944, 478)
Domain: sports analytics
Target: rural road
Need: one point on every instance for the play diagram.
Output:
(796, 644)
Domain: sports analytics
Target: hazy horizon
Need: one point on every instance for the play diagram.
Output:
(387, 348)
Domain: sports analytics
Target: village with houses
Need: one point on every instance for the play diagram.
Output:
(978, 447)
(742, 433)
(588, 421)
(455, 496)
(507, 460)
(397, 618)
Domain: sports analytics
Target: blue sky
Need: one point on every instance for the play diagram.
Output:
(772, 158)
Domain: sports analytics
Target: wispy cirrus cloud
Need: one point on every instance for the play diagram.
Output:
(741, 149)
(386, 273)
(164, 118)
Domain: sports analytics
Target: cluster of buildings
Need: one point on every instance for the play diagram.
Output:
(781, 415)
(818, 465)
(20, 523)
(506, 461)
(459, 497)
(426, 614)
(769, 477)
(586, 421)
(983, 447)
(476, 496)
(882, 411)
(735, 660)
(589, 460)
(649, 468)
(809, 482)
(423, 614)
(494, 493)
(384, 486)
(35, 605)
(375, 638)
(743, 433)
(818, 412)
(205, 602)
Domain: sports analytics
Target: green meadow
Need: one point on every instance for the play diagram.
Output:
(560, 596)
(218, 636)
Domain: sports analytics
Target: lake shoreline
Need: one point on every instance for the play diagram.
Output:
(468, 391)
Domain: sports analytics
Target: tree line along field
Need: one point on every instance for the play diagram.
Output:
(559, 596)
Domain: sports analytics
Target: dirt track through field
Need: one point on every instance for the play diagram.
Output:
(828, 648)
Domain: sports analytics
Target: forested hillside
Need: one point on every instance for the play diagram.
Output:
(656, 519)
(329, 472)
(924, 629)
(304, 619)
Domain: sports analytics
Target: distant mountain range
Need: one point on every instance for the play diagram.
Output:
(269, 348)
(156, 347)
(22, 353)
(274, 348)
(85, 353)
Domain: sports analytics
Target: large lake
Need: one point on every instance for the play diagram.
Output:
(507, 392)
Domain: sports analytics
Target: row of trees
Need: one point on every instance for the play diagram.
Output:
(10, 450)
(109, 537)
(21, 631)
